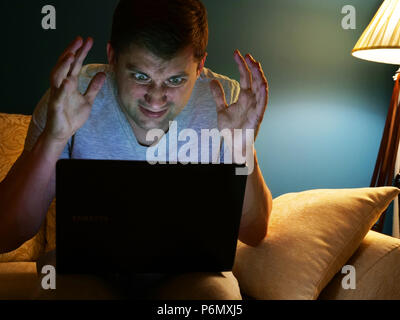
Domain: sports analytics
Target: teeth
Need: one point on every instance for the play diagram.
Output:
(155, 111)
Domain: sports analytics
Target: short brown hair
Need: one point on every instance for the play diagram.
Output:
(164, 27)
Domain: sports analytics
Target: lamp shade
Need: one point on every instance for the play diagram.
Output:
(380, 41)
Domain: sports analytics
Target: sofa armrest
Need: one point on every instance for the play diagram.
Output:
(18, 280)
(377, 266)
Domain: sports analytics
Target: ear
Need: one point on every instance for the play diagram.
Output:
(110, 54)
(201, 64)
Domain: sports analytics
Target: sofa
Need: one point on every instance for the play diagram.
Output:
(319, 243)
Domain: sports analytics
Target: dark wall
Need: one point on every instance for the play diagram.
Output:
(29, 52)
(326, 111)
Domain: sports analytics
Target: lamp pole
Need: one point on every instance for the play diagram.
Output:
(385, 164)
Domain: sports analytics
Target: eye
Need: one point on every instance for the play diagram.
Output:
(176, 81)
(140, 77)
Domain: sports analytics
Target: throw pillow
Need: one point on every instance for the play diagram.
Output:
(310, 236)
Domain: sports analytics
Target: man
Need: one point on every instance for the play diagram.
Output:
(155, 75)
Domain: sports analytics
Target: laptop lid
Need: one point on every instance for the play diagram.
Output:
(131, 216)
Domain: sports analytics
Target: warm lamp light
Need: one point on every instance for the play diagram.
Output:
(380, 42)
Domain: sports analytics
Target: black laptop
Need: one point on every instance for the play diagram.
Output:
(131, 216)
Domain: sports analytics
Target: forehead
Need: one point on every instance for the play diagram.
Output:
(144, 60)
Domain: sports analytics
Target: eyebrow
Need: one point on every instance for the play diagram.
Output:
(134, 68)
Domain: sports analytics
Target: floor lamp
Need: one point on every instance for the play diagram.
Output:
(380, 42)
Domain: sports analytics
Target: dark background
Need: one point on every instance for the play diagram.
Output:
(30, 52)
(326, 111)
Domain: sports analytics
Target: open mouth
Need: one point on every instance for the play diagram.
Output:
(152, 114)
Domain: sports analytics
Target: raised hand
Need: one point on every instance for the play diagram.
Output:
(248, 111)
(68, 109)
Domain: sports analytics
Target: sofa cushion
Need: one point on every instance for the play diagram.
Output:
(13, 129)
(377, 272)
(311, 235)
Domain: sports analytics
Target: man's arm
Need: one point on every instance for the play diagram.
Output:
(257, 208)
(247, 113)
(26, 193)
(29, 188)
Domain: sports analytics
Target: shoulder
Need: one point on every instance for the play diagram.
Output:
(231, 86)
(88, 72)
(86, 75)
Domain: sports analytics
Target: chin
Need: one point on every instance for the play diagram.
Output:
(150, 125)
(162, 124)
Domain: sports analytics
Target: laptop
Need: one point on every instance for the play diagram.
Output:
(118, 216)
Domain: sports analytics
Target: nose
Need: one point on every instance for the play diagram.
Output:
(156, 97)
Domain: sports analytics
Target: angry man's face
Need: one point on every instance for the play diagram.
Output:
(152, 91)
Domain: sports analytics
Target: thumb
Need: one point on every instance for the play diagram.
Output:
(94, 87)
(219, 95)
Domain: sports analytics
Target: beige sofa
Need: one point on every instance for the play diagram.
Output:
(276, 269)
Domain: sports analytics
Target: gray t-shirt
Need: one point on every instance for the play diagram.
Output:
(107, 133)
